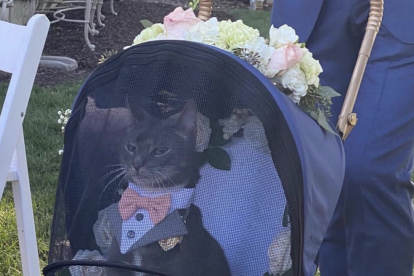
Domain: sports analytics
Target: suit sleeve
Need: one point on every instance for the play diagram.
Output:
(398, 17)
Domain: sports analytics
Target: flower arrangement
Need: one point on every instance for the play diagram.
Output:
(281, 58)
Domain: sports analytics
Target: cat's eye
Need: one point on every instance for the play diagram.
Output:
(131, 148)
(160, 151)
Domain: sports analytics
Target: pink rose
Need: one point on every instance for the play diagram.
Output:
(285, 58)
(178, 23)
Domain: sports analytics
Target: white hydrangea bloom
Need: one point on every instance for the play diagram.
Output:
(233, 35)
(152, 33)
(311, 67)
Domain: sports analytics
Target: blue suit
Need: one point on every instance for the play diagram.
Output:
(372, 230)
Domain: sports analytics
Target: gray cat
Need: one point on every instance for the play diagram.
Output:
(158, 157)
(166, 148)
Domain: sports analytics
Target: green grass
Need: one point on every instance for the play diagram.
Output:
(258, 19)
(43, 140)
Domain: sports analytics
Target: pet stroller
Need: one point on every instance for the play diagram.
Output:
(181, 159)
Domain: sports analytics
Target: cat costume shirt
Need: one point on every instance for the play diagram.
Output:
(141, 218)
(176, 239)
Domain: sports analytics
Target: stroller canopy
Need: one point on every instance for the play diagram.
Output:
(182, 159)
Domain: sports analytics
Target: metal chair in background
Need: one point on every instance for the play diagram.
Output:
(6, 10)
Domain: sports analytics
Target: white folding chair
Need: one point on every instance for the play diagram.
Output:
(20, 51)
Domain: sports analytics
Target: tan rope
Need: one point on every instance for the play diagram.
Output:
(204, 10)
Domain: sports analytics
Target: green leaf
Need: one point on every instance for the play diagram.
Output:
(306, 106)
(146, 23)
(323, 122)
(320, 118)
(314, 115)
(194, 4)
(327, 91)
(201, 158)
(219, 159)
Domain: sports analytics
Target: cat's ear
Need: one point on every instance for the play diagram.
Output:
(136, 113)
(187, 118)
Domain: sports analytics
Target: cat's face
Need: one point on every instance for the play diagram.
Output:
(160, 153)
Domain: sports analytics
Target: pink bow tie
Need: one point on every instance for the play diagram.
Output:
(157, 207)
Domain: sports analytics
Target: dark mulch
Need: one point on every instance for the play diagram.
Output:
(66, 38)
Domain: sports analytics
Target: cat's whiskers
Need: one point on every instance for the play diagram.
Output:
(109, 173)
(157, 180)
(113, 165)
(160, 182)
(123, 173)
(157, 183)
(167, 178)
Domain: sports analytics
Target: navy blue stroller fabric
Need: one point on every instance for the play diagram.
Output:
(155, 124)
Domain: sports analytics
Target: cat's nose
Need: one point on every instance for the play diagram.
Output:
(136, 165)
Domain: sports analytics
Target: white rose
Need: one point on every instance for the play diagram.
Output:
(279, 253)
(295, 80)
(78, 270)
(283, 35)
(203, 132)
(311, 67)
(205, 32)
